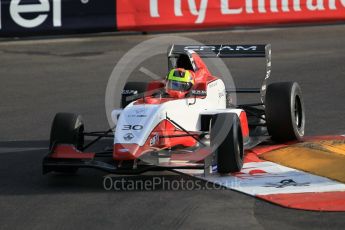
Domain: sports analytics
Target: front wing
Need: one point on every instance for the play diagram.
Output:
(68, 157)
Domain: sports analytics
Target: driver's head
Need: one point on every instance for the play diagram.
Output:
(179, 82)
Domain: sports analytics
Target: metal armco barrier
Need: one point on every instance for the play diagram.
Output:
(41, 17)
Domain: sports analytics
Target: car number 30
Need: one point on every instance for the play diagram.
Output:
(132, 127)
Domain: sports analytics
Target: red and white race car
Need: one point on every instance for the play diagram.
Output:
(159, 130)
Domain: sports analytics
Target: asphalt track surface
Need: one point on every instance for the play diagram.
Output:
(42, 77)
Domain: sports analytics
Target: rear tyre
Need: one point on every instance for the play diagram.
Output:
(67, 128)
(132, 91)
(284, 108)
(226, 139)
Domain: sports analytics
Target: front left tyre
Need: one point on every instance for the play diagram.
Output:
(227, 141)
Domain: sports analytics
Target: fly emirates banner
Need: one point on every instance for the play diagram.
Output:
(193, 14)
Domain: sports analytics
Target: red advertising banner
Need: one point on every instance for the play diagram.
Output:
(146, 15)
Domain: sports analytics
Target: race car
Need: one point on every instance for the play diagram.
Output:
(183, 121)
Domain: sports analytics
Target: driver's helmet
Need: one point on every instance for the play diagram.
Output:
(179, 82)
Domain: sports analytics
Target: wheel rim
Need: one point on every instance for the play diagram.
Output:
(298, 113)
(239, 148)
(80, 137)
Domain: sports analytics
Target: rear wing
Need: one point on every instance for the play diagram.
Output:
(230, 51)
(223, 51)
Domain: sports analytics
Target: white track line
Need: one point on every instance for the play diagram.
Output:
(4, 150)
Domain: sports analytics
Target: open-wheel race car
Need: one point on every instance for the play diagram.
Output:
(184, 121)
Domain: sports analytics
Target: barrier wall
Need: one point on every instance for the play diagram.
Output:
(39, 17)
(191, 14)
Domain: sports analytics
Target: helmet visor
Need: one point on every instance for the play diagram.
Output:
(178, 86)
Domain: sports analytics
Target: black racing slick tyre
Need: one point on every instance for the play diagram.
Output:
(132, 91)
(284, 108)
(227, 141)
(67, 128)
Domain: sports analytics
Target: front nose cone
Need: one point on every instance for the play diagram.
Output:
(126, 151)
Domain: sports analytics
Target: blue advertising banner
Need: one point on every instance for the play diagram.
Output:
(38, 17)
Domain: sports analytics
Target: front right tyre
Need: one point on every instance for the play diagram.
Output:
(67, 128)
